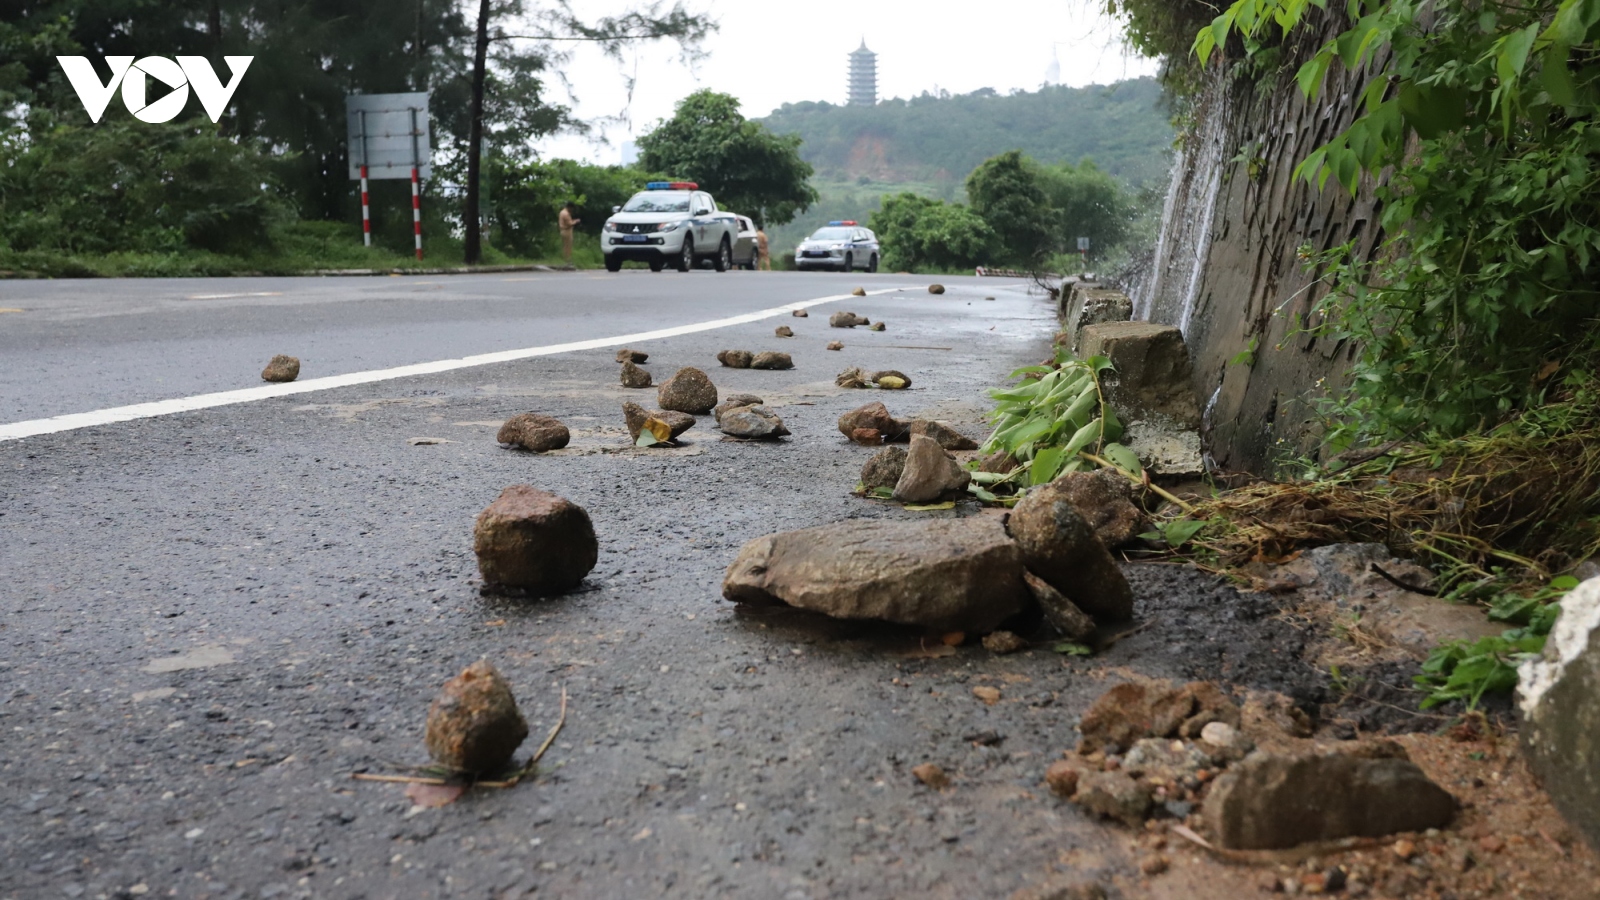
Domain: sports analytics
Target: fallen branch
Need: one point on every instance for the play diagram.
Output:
(1137, 479)
(1277, 857)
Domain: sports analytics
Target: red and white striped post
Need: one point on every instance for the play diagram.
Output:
(366, 210)
(416, 210)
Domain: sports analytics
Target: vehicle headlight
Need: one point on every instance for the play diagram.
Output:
(610, 226)
(671, 226)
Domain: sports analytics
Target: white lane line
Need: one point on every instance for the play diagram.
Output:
(72, 421)
(231, 296)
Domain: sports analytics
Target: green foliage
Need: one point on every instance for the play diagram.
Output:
(918, 234)
(1087, 202)
(1007, 192)
(524, 199)
(1462, 670)
(746, 167)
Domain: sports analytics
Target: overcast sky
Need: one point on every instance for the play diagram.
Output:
(768, 54)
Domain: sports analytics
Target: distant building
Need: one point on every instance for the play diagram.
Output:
(630, 153)
(1052, 72)
(863, 76)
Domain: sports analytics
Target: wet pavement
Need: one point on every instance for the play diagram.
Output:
(210, 620)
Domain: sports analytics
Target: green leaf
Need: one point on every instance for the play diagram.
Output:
(930, 507)
(1046, 465)
(981, 494)
(645, 439)
(1180, 532)
(1072, 648)
(1124, 458)
(1082, 438)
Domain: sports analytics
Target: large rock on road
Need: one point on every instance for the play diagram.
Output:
(534, 541)
(1559, 695)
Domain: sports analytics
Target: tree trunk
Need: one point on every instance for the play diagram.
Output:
(473, 248)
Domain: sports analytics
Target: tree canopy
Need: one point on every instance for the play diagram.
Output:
(745, 166)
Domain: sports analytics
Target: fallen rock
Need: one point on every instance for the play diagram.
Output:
(1086, 305)
(930, 473)
(835, 345)
(281, 369)
(999, 462)
(1133, 711)
(1150, 376)
(866, 437)
(1165, 760)
(1114, 795)
(878, 378)
(1104, 499)
(770, 359)
(801, 314)
(1058, 610)
(531, 431)
(1559, 696)
(931, 775)
(1271, 802)
(948, 437)
(1060, 547)
(946, 574)
(859, 292)
(534, 541)
(1003, 642)
(782, 331)
(636, 415)
(935, 288)
(633, 356)
(851, 378)
(633, 376)
(883, 470)
(752, 422)
(474, 725)
(734, 401)
(876, 326)
(1062, 776)
(735, 359)
(847, 320)
(872, 415)
(688, 390)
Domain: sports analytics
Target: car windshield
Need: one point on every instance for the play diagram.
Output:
(658, 201)
(831, 234)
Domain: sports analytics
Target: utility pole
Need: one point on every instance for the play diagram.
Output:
(472, 245)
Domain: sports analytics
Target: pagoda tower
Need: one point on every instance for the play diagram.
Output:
(863, 76)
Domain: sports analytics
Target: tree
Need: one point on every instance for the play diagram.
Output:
(1086, 202)
(747, 167)
(1006, 192)
(918, 234)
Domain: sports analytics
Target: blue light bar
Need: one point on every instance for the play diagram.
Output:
(843, 222)
(671, 186)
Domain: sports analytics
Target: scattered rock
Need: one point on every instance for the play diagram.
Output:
(1150, 376)
(835, 345)
(1167, 761)
(531, 431)
(989, 695)
(948, 437)
(1104, 499)
(866, 437)
(782, 331)
(534, 541)
(947, 574)
(851, 378)
(883, 470)
(930, 472)
(633, 376)
(1062, 776)
(1060, 547)
(801, 314)
(281, 368)
(1133, 710)
(735, 359)
(752, 422)
(474, 724)
(859, 292)
(770, 359)
(1270, 802)
(872, 415)
(1003, 642)
(1114, 795)
(935, 288)
(931, 775)
(846, 320)
(734, 401)
(988, 298)
(688, 390)
(879, 376)
(1058, 610)
(876, 326)
(999, 462)
(636, 415)
(1559, 695)
(1226, 740)
(633, 356)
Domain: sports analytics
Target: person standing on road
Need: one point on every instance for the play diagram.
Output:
(765, 264)
(567, 223)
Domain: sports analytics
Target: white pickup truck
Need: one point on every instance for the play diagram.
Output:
(670, 222)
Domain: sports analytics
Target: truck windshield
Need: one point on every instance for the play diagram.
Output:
(658, 201)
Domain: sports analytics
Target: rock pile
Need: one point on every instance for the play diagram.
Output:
(281, 369)
(847, 320)
(735, 401)
(535, 432)
(534, 541)
(474, 726)
(689, 390)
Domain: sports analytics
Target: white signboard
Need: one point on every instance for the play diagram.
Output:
(1083, 244)
(389, 134)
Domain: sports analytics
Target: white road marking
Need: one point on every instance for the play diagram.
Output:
(231, 296)
(156, 408)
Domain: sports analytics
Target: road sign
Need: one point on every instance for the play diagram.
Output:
(389, 134)
(1083, 244)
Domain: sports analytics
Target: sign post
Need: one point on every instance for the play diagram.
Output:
(389, 138)
(1083, 252)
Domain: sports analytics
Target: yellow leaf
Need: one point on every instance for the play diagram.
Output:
(661, 430)
(891, 383)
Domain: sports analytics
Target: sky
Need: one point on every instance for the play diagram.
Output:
(768, 54)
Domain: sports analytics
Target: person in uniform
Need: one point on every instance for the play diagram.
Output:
(765, 263)
(566, 222)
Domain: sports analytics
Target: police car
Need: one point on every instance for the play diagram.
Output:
(841, 245)
(670, 223)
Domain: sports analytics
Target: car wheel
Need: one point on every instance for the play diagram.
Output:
(724, 260)
(657, 265)
(686, 256)
(872, 264)
(613, 264)
(849, 263)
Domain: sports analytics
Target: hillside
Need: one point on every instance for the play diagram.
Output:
(930, 139)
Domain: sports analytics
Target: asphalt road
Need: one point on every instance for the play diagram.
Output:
(210, 620)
